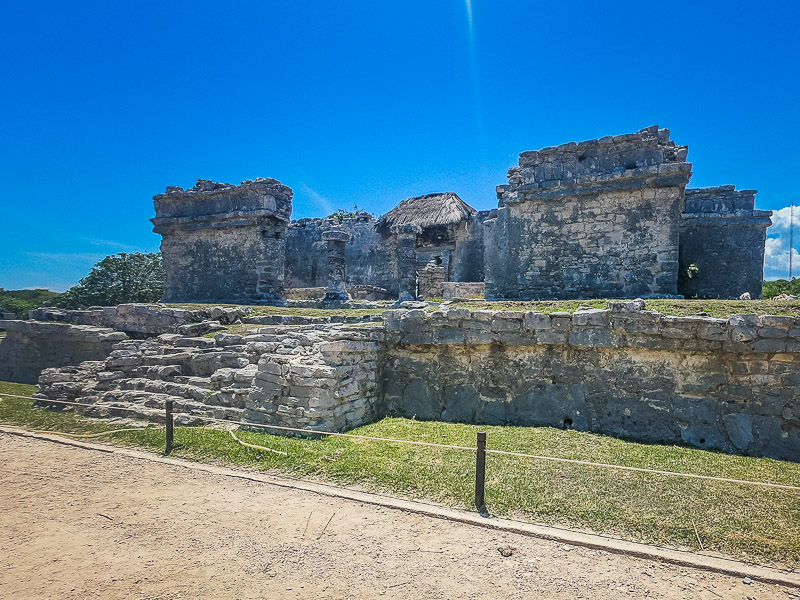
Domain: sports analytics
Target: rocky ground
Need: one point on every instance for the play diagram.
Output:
(79, 523)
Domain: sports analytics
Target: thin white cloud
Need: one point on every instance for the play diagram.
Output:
(67, 258)
(317, 197)
(776, 250)
(111, 244)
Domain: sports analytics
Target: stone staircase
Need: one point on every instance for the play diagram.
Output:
(200, 377)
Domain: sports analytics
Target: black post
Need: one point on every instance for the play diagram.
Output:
(480, 472)
(170, 427)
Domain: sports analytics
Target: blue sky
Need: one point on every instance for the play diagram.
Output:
(105, 104)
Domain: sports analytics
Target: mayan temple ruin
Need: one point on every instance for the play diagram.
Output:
(610, 218)
(605, 218)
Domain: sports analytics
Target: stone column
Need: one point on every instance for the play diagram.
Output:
(407, 260)
(337, 290)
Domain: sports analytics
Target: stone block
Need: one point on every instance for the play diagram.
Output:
(546, 336)
(739, 428)
(455, 313)
(591, 337)
(592, 316)
(448, 335)
(536, 320)
(769, 345)
(560, 321)
(506, 324)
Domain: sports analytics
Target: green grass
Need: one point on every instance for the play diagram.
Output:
(259, 310)
(678, 308)
(746, 522)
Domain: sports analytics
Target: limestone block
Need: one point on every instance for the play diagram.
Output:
(592, 316)
(537, 320)
(739, 428)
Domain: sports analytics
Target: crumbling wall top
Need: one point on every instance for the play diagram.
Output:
(719, 199)
(209, 198)
(648, 153)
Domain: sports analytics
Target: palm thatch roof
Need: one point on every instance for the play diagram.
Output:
(429, 210)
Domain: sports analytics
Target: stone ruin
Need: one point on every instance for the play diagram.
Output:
(602, 218)
(731, 384)
(605, 218)
(224, 243)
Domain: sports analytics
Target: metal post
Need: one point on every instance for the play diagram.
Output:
(170, 427)
(480, 472)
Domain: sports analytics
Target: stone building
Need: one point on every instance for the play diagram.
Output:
(593, 219)
(604, 218)
(451, 236)
(722, 243)
(369, 256)
(611, 218)
(223, 242)
(451, 233)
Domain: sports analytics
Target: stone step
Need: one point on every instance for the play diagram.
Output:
(201, 382)
(151, 406)
(168, 359)
(171, 388)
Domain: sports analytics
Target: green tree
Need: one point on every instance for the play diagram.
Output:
(20, 302)
(117, 279)
(782, 286)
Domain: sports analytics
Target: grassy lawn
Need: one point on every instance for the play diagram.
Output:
(677, 308)
(745, 522)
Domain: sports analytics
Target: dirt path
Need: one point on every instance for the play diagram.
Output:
(78, 524)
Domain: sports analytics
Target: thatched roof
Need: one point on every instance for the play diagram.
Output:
(429, 210)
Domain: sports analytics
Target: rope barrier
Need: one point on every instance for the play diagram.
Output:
(233, 435)
(643, 470)
(452, 447)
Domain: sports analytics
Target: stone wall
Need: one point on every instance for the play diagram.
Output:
(462, 290)
(468, 256)
(430, 282)
(370, 258)
(30, 346)
(223, 242)
(723, 236)
(327, 382)
(729, 384)
(141, 319)
(591, 219)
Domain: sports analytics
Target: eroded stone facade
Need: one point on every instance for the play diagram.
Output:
(223, 242)
(591, 219)
(722, 239)
(731, 384)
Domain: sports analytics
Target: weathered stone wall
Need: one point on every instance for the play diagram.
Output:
(723, 235)
(369, 257)
(464, 290)
(328, 382)
(468, 256)
(31, 346)
(430, 281)
(224, 243)
(141, 319)
(730, 384)
(594, 219)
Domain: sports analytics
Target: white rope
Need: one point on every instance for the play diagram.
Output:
(471, 449)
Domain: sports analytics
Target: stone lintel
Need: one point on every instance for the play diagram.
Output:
(335, 235)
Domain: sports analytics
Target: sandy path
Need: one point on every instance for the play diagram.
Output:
(77, 523)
